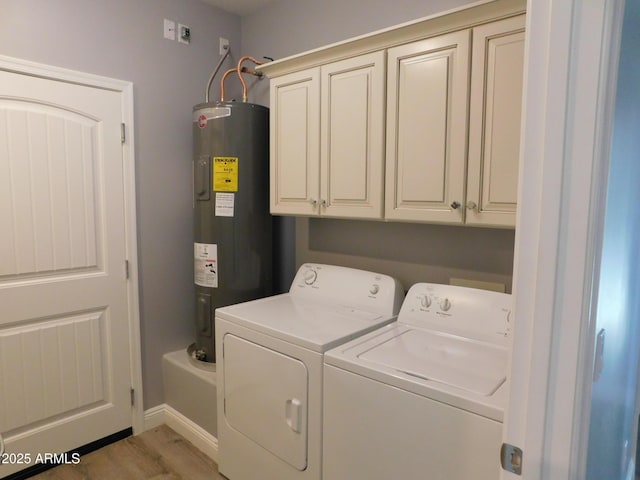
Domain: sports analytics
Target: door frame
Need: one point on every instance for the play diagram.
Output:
(26, 67)
(571, 52)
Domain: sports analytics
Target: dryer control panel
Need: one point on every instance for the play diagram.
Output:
(360, 289)
(462, 311)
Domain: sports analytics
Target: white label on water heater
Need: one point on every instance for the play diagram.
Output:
(205, 256)
(224, 204)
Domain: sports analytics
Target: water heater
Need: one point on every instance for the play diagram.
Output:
(232, 233)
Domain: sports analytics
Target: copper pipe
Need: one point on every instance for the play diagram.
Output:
(224, 77)
(240, 70)
(251, 72)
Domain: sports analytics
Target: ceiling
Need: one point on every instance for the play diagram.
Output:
(239, 7)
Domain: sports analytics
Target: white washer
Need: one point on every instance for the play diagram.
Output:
(271, 362)
(424, 396)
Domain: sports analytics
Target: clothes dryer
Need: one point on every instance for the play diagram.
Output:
(423, 397)
(271, 365)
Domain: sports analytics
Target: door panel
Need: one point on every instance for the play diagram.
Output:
(494, 126)
(65, 374)
(423, 130)
(49, 200)
(266, 398)
(295, 137)
(352, 138)
(61, 371)
(427, 129)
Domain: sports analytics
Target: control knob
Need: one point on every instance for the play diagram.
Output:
(425, 301)
(375, 288)
(310, 277)
(445, 305)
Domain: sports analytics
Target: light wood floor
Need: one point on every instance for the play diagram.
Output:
(158, 454)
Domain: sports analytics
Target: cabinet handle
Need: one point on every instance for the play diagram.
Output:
(313, 202)
(471, 205)
(323, 203)
(455, 205)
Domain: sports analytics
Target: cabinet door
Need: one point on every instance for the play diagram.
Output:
(352, 137)
(494, 125)
(427, 129)
(295, 147)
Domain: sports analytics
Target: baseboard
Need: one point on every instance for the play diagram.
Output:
(165, 414)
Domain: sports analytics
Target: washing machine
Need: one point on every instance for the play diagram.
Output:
(270, 367)
(423, 397)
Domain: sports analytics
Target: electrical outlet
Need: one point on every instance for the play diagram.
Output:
(169, 29)
(224, 45)
(184, 34)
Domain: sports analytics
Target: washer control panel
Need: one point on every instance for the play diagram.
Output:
(370, 291)
(462, 311)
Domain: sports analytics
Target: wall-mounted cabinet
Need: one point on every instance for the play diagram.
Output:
(427, 128)
(295, 143)
(419, 123)
(428, 102)
(327, 141)
(494, 122)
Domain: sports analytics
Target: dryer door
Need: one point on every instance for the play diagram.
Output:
(266, 398)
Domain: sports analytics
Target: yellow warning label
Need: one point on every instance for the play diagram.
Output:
(225, 174)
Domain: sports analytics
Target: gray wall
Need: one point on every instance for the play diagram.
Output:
(287, 27)
(411, 252)
(124, 39)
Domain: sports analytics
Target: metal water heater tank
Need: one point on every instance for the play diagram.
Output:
(232, 234)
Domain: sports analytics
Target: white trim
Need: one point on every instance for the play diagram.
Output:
(560, 200)
(128, 154)
(198, 436)
(154, 417)
(597, 32)
(21, 66)
(26, 67)
(538, 191)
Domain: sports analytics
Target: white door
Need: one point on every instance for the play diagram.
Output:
(65, 373)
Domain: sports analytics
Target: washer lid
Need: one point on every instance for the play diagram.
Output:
(472, 365)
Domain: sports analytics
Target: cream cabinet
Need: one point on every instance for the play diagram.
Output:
(427, 129)
(432, 176)
(295, 143)
(494, 122)
(327, 138)
(416, 123)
